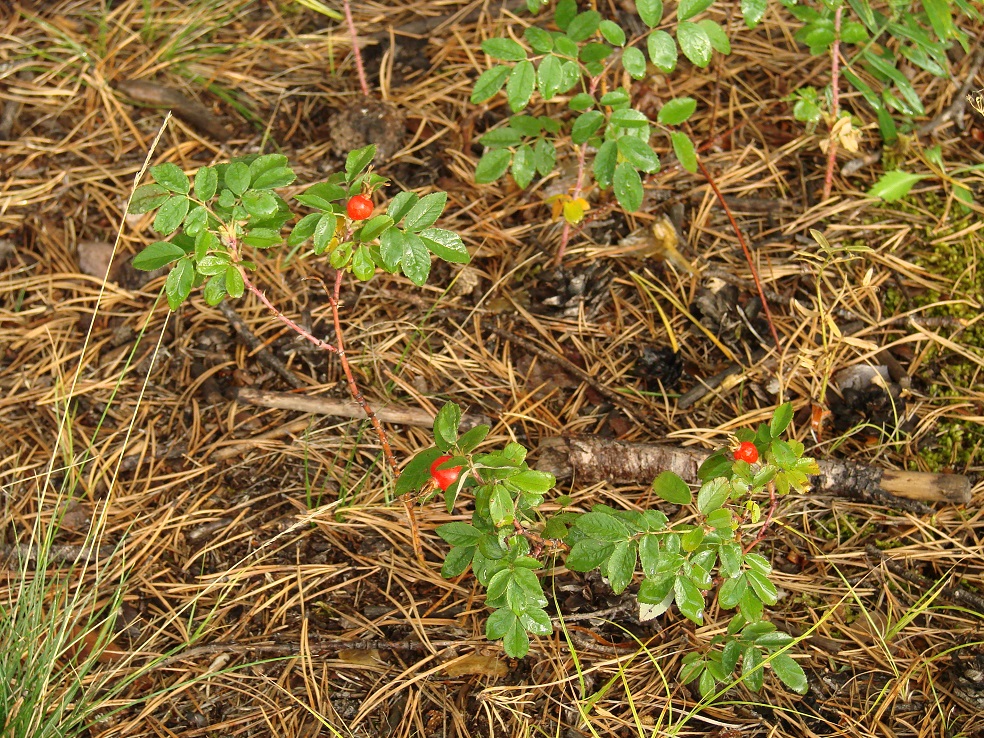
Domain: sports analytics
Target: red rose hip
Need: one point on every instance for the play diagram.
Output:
(444, 478)
(746, 451)
(359, 207)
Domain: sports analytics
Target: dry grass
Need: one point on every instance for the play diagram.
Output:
(273, 591)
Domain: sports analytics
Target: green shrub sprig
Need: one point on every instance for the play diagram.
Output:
(511, 538)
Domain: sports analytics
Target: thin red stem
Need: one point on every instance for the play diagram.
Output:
(768, 520)
(350, 378)
(566, 233)
(355, 47)
(284, 319)
(828, 177)
(748, 253)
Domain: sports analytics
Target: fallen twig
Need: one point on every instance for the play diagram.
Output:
(595, 459)
(955, 594)
(344, 408)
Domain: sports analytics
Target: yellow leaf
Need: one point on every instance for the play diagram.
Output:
(573, 211)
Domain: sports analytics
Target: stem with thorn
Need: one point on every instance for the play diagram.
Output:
(748, 254)
(355, 47)
(828, 177)
(353, 387)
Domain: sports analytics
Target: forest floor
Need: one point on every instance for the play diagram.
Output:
(260, 550)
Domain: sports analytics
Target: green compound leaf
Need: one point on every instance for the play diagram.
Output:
(651, 11)
(763, 586)
(586, 125)
(683, 147)
(459, 534)
(730, 656)
(492, 165)
(237, 177)
(753, 11)
(519, 88)
(516, 642)
(206, 183)
(689, 599)
(627, 185)
(158, 254)
(751, 668)
(544, 156)
(663, 51)
(713, 495)
(533, 481)
(363, 267)
(677, 111)
(473, 438)
(583, 25)
(358, 160)
(417, 473)
(621, 566)
(594, 52)
(581, 101)
(540, 40)
(147, 197)
(206, 242)
(273, 177)
(234, 283)
(171, 214)
(504, 49)
(781, 420)
(605, 162)
(790, 673)
(536, 621)
(391, 245)
(374, 227)
(171, 177)
(638, 153)
(179, 282)
(670, 487)
(195, 220)
(550, 76)
(499, 623)
(612, 33)
(694, 43)
(731, 592)
(401, 204)
(523, 166)
(894, 185)
(564, 13)
(446, 245)
(212, 264)
(719, 39)
(501, 508)
(324, 231)
(415, 261)
(457, 561)
(634, 62)
(602, 526)
(262, 238)
(588, 554)
(215, 289)
(689, 8)
(649, 554)
(259, 203)
(446, 424)
(629, 118)
(730, 554)
(426, 211)
(750, 607)
(489, 83)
